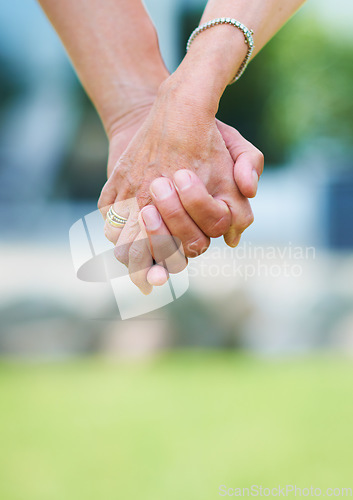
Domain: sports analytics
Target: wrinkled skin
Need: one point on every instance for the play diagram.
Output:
(168, 136)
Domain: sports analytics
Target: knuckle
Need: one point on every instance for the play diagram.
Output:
(109, 234)
(193, 199)
(218, 227)
(260, 159)
(121, 254)
(195, 247)
(143, 196)
(171, 213)
(107, 196)
(100, 203)
(245, 221)
(176, 267)
(137, 253)
(250, 219)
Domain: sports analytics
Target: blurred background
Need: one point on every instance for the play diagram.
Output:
(247, 378)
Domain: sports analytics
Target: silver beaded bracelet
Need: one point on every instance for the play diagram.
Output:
(248, 34)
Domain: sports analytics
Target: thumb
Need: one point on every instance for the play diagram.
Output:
(248, 160)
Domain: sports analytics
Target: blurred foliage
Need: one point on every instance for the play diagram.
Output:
(309, 81)
(175, 428)
(10, 84)
(84, 173)
(298, 89)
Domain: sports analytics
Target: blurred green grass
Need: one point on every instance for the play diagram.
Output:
(176, 427)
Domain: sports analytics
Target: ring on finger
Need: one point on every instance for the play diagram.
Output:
(115, 219)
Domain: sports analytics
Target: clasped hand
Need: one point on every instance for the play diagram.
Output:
(180, 177)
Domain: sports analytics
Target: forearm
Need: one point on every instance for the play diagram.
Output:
(217, 53)
(264, 17)
(114, 48)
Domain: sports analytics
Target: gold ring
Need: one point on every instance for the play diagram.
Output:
(114, 219)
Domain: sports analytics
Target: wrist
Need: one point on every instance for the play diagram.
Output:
(210, 65)
(182, 95)
(128, 99)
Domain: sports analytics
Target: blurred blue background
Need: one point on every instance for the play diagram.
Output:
(294, 103)
(285, 293)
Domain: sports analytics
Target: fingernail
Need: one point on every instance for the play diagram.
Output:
(151, 218)
(182, 179)
(161, 188)
(255, 178)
